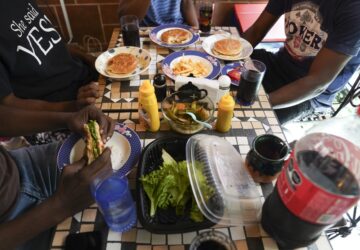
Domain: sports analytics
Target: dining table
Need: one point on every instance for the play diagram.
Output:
(119, 100)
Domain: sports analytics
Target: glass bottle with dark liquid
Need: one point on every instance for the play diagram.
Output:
(130, 34)
(205, 15)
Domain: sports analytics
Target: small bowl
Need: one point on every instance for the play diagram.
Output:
(182, 123)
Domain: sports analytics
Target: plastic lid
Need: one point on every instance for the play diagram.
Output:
(224, 81)
(223, 190)
(226, 101)
(146, 89)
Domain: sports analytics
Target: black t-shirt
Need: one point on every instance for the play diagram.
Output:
(34, 61)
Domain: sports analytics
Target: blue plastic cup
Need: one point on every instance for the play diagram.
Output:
(115, 202)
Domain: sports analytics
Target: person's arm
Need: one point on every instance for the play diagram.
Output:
(260, 28)
(76, 51)
(72, 195)
(86, 95)
(133, 7)
(189, 13)
(325, 67)
(24, 122)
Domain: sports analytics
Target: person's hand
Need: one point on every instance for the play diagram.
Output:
(73, 191)
(77, 120)
(87, 94)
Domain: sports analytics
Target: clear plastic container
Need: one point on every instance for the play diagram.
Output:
(234, 199)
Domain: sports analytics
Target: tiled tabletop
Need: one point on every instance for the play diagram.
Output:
(119, 101)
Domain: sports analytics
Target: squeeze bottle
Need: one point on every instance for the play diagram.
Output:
(148, 107)
(225, 113)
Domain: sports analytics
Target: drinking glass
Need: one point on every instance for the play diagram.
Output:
(252, 74)
(212, 240)
(205, 15)
(130, 30)
(115, 202)
(266, 157)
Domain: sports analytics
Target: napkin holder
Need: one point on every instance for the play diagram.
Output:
(211, 86)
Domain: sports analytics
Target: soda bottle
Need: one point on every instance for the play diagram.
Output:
(318, 184)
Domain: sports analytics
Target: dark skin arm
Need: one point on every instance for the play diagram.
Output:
(86, 95)
(324, 69)
(24, 122)
(189, 13)
(73, 192)
(72, 195)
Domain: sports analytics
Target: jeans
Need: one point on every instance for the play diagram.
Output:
(39, 175)
(276, 77)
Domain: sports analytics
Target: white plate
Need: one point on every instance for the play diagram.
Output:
(208, 44)
(141, 55)
(125, 149)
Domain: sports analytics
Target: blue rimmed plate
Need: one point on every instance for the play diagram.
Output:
(155, 35)
(210, 64)
(229, 67)
(125, 149)
(143, 61)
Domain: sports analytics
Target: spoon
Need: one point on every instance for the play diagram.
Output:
(192, 115)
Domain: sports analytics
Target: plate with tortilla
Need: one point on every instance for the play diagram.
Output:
(227, 47)
(123, 62)
(125, 149)
(174, 35)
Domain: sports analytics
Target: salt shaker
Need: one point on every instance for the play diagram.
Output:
(160, 86)
(224, 86)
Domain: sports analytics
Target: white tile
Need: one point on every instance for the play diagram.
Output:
(158, 239)
(270, 244)
(174, 239)
(232, 140)
(188, 237)
(244, 149)
(113, 246)
(323, 243)
(260, 131)
(143, 236)
(147, 141)
(224, 230)
(237, 233)
(242, 140)
(114, 236)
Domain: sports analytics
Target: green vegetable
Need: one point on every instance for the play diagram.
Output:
(169, 186)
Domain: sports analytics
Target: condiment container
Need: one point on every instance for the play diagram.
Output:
(224, 86)
(148, 107)
(235, 199)
(225, 113)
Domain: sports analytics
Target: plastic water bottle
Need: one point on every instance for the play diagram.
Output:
(319, 183)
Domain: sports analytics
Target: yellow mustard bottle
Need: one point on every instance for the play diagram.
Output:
(225, 113)
(148, 106)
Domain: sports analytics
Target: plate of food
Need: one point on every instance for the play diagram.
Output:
(187, 62)
(233, 70)
(123, 62)
(174, 35)
(125, 149)
(227, 47)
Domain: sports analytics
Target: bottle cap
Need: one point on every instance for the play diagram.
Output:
(159, 80)
(146, 89)
(224, 81)
(227, 100)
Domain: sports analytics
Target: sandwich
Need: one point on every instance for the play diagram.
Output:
(94, 145)
(175, 36)
(123, 63)
(227, 47)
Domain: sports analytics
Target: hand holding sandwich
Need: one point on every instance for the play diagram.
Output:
(77, 121)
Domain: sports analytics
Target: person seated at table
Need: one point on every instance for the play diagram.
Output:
(158, 12)
(37, 70)
(320, 54)
(34, 194)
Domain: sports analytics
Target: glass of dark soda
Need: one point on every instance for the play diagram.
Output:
(252, 74)
(205, 15)
(212, 240)
(266, 158)
(130, 30)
